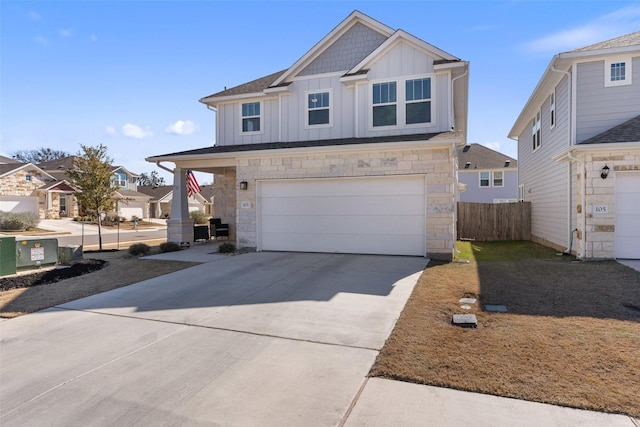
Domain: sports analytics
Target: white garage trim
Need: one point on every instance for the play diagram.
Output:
(627, 232)
(372, 215)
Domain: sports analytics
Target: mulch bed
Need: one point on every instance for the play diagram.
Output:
(51, 276)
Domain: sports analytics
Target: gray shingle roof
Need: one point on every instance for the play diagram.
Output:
(632, 39)
(155, 191)
(480, 157)
(254, 86)
(303, 144)
(628, 131)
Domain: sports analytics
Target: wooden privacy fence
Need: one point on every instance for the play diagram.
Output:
(494, 221)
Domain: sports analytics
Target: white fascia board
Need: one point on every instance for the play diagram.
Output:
(25, 166)
(598, 148)
(126, 171)
(396, 37)
(601, 52)
(279, 89)
(354, 78)
(326, 41)
(450, 65)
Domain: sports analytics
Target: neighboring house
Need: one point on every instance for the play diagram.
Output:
(351, 149)
(581, 122)
(25, 187)
(162, 195)
(487, 176)
(129, 202)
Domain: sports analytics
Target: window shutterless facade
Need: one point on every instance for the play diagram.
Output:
(121, 179)
(535, 131)
(617, 72)
(485, 179)
(384, 104)
(498, 179)
(318, 108)
(251, 117)
(552, 110)
(418, 101)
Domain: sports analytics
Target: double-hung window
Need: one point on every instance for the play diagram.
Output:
(318, 108)
(535, 131)
(418, 101)
(384, 104)
(121, 179)
(251, 117)
(617, 72)
(552, 110)
(485, 179)
(498, 179)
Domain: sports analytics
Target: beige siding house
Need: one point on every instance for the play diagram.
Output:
(352, 149)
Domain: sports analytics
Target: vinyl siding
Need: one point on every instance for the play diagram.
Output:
(599, 108)
(475, 194)
(547, 182)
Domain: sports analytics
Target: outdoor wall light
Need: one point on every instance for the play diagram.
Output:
(244, 185)
(605, 172)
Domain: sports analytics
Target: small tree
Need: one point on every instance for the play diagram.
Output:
(92, 174)
(39, 156)
(150, 179)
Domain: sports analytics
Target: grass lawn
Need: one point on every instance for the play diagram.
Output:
(570, 337)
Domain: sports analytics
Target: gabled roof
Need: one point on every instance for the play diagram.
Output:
(207, 192)
(157, 192)
(11, 168)
(59, 186)
(628, 131)
(253, 87)
(478, 156)
(629, 43)
(4, 160)
(64, 163)
(130, 194)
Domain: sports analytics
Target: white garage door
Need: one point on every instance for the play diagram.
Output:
(627, 215)
(381, 215)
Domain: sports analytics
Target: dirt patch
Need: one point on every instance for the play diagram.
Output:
(51, 276)
(568, 337)
(119, 269)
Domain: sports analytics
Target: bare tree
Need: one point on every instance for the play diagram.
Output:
(150, 179)
(39, 156)
(92, 174)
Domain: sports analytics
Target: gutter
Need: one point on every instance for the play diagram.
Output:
(583, 221)
(452, 120)
(171, 171)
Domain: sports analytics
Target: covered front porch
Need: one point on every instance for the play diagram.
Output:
(225, 187)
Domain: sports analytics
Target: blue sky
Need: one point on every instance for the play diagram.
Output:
(129, 74)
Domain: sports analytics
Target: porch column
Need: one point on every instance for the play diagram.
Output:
(180, 226)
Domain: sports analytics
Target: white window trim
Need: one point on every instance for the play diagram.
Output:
(306, 109)
(401, 102)
(553, 116)
(536, 130)
(493, 179)
(480, 179)
(261, 116)
(627, 71)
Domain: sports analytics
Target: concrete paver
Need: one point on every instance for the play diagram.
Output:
(386, 403)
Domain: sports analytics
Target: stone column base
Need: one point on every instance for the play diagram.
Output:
(180, 231)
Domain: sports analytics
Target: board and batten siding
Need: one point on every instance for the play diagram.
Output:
(229, 123)
(547, 182)
(599, 108)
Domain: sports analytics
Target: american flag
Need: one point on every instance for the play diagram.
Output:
(192, 184)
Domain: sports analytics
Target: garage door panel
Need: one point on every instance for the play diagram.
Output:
(627, 232)
(377, 215)
(384, 225)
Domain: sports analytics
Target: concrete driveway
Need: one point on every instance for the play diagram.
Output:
(266, 339)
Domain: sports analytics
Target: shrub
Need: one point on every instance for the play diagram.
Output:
(227, 248)
(139, 249)
(18, 221)
(169, 247)
(199, 217)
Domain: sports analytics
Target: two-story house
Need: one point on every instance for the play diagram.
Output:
(129, 201)
(486, 175)
(351, 149)
(579, 151)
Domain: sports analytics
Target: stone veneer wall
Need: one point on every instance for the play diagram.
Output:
(600, 237)
(224, 199)
(438, 164)
(16, 184)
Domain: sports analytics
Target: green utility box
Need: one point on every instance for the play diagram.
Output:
(35, 253)
(7, 256)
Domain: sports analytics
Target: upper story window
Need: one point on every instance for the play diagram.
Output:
(498, 179)
(251, 117)
(384, 104)
(535, 131)
(120, 179)
(485, 179)
(617, 72)
(418, 97)
(552, 110)
(318, 108)
(28, 178)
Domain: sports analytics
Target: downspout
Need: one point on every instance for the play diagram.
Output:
(583, 177)
(569, 118)
(164, 167)
(452, 119)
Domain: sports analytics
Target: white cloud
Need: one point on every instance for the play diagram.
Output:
(611, 25)
(182, 127)
(133, 131)
(111, 130)
(42, 41)
(65, 32)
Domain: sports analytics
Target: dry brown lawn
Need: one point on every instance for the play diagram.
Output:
(571, 335)
(121, 270)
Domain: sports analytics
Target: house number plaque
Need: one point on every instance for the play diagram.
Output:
(600, 209)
